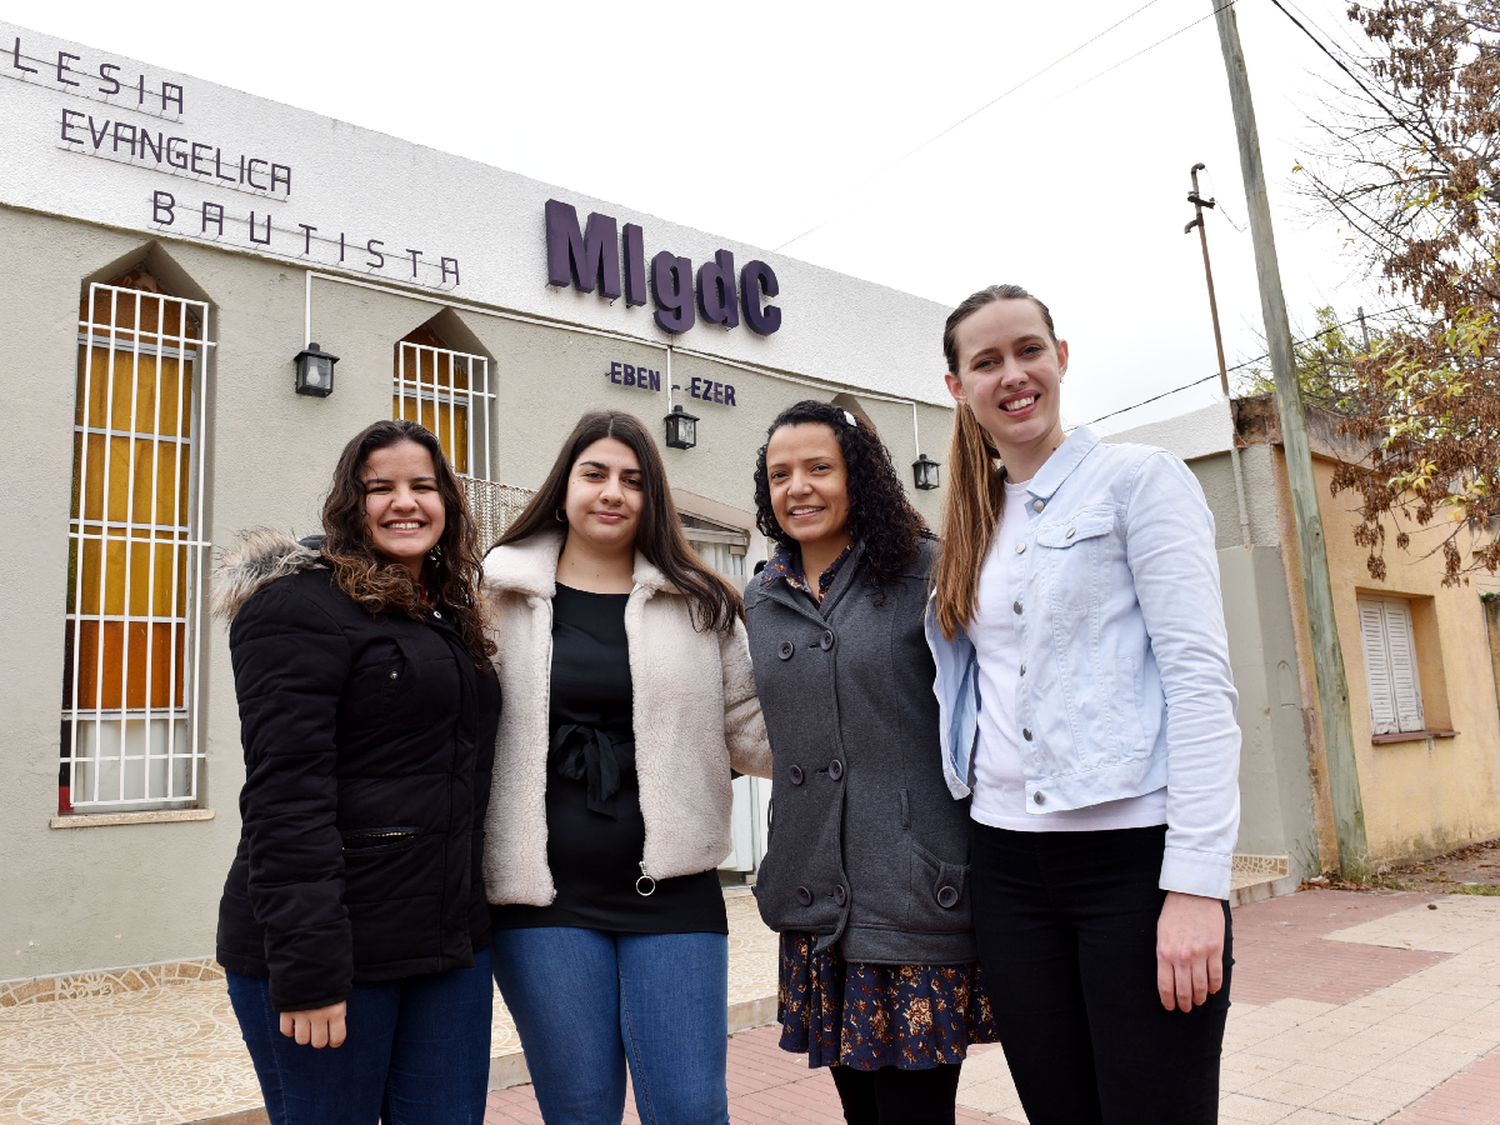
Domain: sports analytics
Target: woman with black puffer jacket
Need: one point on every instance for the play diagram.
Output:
(353, 926)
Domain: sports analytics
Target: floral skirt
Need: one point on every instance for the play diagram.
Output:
(849, 1013)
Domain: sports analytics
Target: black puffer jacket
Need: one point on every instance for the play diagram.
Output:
(368, 742)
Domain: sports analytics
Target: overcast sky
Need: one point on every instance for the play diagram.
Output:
(764, 121)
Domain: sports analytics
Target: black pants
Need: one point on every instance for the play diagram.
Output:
(1066, 923)
(891, 1096)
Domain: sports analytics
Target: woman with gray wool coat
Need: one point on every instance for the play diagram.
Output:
(866, 874)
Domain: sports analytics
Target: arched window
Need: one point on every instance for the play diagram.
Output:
(135, 553)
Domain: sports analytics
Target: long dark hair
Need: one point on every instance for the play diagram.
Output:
(976, 481)
(712, 602)
(451, 570)
(880, 514)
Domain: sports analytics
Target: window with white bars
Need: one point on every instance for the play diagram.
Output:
(136, 552)
(1390, 652)
(721, 546)
(448, 392)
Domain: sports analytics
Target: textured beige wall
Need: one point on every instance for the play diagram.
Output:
(79, 899)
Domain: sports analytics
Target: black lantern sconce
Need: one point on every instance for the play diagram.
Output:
(682, 428)
(925, 470)
(315, 371)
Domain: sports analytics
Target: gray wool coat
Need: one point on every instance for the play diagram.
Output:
(867, 848)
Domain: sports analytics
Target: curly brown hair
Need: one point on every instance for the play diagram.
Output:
(451, 569)
(880, 514)
(715, 605)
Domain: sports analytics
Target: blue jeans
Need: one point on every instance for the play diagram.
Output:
(417, 1052)
(588, 1002)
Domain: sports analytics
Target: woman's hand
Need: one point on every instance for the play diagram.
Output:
(1189, 950)
(322, 1027)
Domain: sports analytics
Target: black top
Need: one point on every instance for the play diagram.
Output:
(595, 832)
(368, 743)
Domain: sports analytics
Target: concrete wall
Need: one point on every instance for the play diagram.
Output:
(79, 899)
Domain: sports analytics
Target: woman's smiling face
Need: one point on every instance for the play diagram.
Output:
(404, 514)
(809, 485)
(1010, 371)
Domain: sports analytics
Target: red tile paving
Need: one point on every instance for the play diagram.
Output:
(1280, 954)
(766, 1084)
(1470, 1097)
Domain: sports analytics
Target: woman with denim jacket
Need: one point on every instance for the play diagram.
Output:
(1087, 710)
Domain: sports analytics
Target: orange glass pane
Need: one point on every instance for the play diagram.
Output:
(155, 671)
(116, 311)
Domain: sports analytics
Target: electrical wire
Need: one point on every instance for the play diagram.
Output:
(962, 120)
(1338, 62)
(1247, 363)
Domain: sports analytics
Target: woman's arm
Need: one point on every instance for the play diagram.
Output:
(291, 662)
(744, 728)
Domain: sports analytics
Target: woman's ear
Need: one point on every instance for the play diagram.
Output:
(956, 386)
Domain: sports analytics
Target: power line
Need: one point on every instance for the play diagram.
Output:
(1338, 62)
(1247, 363)
(962, 120)
(1142, 51)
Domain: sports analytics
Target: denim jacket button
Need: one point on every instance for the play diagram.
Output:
(1072, 531)
(1023, 669)
(1016, 606)
(1020, 548)
(1026, 733)
(1039, 798)
(947, 897)
(804, 896)
(1038, 505)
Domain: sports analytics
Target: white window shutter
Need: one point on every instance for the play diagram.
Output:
(1378, 678)
(1404, 680)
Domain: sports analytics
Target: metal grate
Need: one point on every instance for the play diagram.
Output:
(135, 566)
(449, 393)
(494, 507)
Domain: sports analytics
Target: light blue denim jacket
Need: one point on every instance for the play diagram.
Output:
(1125, 684)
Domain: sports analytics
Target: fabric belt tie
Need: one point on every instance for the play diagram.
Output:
(600, 757)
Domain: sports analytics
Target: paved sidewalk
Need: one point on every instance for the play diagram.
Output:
(1348, 1008)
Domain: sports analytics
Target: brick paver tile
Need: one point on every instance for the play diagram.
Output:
(1471, 1097)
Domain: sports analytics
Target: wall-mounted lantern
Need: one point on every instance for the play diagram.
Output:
(925, 471)
(682, 428)
(315, 371)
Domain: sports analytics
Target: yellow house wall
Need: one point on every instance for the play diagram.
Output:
(1427, 795)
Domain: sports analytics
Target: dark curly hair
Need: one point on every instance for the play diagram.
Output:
(880, 515)
(451, 570)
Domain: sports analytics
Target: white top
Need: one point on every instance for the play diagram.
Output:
(999, 781)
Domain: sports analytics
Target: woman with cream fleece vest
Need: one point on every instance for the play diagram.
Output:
(629, 699)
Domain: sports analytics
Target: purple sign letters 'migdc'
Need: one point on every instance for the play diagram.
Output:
(589, 259)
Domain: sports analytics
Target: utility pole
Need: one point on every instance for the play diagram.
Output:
(1328, 656)
(1199, 203)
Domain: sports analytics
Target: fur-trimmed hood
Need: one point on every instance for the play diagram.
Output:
(260, 557)
(529, 568)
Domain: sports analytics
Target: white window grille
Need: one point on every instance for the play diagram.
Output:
(449, 393)
(1390, 665)
(135, 568)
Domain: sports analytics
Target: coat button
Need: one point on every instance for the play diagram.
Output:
(947, 897)
(840, 896)
(1016, 606)
(835, 769)
(804, 896)
(1026, 733)
(794, 773)
(1038, 505)
(438, 614)
(1020, 548)
(1039, 797)
(825, 642)
(395, 675)
(785, 650)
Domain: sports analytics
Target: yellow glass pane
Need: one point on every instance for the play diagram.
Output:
(123, 390)
(155, 578)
